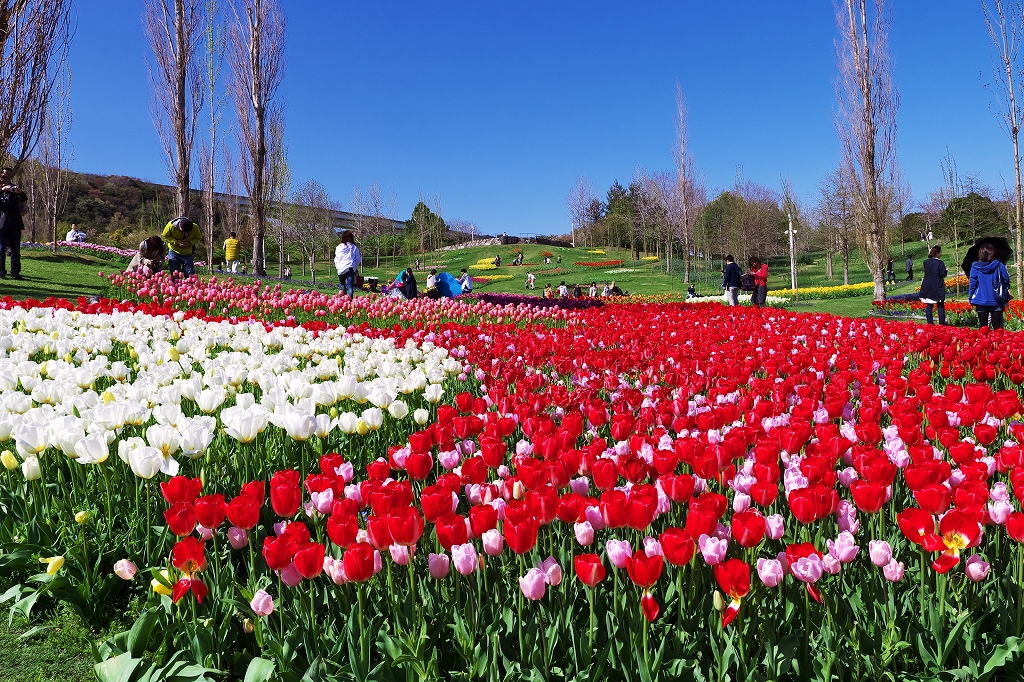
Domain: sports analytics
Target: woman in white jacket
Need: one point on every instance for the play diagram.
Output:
(347, 261)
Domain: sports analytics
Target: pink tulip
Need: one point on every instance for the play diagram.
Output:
(237, 537)
(465, 558)
(999, 510)
(584, 533)
(205, 533)
(262, 604)
(893, 571)
(776, 527)
(493, 542)
(712, 549)
(831, 564)
(290, 576)
(618, 551)
(652, 547)
(844, 549)
(335, 569)
(770, 571)
(594, 518)
(125, 569)
(741, 502)
(400, 555)
(450, 459)
(808, 569)
(976, 568)
(999, 493)
(552, 571)
(323, 501)
(580, 486)
(880, 552)
(438, 564)
(533, 584)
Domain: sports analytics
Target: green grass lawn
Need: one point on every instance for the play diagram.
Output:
(61, 274)
(59, 653)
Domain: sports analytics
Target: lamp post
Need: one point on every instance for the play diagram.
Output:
(792, 257)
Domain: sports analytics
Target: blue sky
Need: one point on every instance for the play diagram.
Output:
(498, 107)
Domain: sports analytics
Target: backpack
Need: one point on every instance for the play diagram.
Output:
(747, 282)
(1002, 292)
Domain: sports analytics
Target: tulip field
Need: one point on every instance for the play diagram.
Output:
(297, 487)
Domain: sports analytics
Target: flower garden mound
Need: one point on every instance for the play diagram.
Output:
(624, 492)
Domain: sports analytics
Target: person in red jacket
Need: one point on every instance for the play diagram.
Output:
(759, 271)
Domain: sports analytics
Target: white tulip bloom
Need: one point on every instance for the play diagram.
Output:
(211, 399)
(147, 462)
(324, 425)
(30, 439)
(374, 418)
(30, 469)
(299, 426)
(92, 449)
(421, 416)
(347, 422)
(432, 394)
(398, 409)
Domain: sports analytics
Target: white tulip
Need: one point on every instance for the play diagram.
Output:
(398, 409)
(347, 422)
(127, 445)
(30, 439)
(299, 425)
(211, 399)
(374, 418)
(92, 449)
(30, 469)
(324, 425)
(146, 462)
(421, 416)
(432, 393)
(195, 439)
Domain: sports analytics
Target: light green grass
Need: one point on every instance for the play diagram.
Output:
(57, 654)
(61, 274)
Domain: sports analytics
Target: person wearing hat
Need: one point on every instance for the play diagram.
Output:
(181, 235)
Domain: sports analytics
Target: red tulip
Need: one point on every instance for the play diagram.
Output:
(256, 490)
(358, 562)
(644, 570)
(342, 529)
(418, 465)
(614, 508)
(1015, 526)
(181, 489)
(520, 537)
(957, 531)
(277, 552)
(309, 561)
(181, 518)
(733, 577)
(649, 606)
(244, 511)
(210, 511)
(188, 555)
(405, 525)
(285, 494)
(482, 518)
(451, 530)
(916, 524)
(186, 585)
(749, 528)
(677, 545)
(933, 498)
(589, 569)
(869, 497)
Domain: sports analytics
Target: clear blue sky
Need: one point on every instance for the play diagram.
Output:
(498, 107)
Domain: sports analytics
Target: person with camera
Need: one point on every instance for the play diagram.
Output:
(11, 199)
(181, 235)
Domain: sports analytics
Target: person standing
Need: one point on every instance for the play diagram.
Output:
(593, 290)
(182, 235)
(910, 268)
(731, 281)
(231, 252)
(531, 280)
(891, 272)
(759, 271)
(465, 281)
(989, 287)
(933, 286)
(408, 285)
(347, 260)
(11, 198)
(563, 291)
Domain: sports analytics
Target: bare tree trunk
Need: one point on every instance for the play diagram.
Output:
(866, 123)
(55, 153)
(1005, 22)
(256, 56)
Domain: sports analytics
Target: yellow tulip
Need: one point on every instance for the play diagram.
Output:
(159, 587)
(9, 460)
(107, 397)
(53, 564)
(82, 517)
(362, 428)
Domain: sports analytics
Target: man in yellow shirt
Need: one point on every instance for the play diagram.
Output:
(182, 235)
(231, 252)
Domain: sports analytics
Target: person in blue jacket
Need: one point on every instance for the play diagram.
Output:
(731, 281)
(988, 276)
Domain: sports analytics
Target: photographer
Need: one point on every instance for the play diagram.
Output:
(11, 199)
(182, 236)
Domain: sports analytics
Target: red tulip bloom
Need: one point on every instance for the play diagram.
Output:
(188, 556)
(256, 490)
(405, 525)
(379, 532)
(358, 562)
(933, 498)
(285, 494)
(186, 585)
(916, 524)
(277, 552)
(605, 474)
(643, 506)
(436, 501)
(644, 570)
(181, 518)
(181, 489)
(378, 470)
(677, 545)
(309, 561)
(244, 511)
(210, 511)
(451, 530)
(572, 508)
(749, 528)
(869, 497)
(589, 569)
(520, 537)
(1015, 526)
(418, 465)
(957, 531)
(764, 494)
(733, 577)
(342, 529)
(543, 503)
(482, 518)
(614, 508)
(649, 606)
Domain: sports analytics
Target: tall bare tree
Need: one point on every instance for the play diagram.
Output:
(690, 193)
(34, 40)
(838, 217)
(279, 188)
(55, 152)
(213, 63)
(951, 191)
(377, 225)
(1005, 22)
(174, 30)
(309, 220)
(578, 201)
(256, 41)
(866, 123)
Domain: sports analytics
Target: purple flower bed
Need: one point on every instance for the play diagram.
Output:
(540, 301)
(905, 297)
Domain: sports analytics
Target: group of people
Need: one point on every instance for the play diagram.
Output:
(174, 248)
(988, 288)
(577, 290)
(890, 274)
(755, 281)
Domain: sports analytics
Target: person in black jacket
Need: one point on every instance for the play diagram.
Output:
(11, 198)
(731, 281)
(933, 286)
(408, 285)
